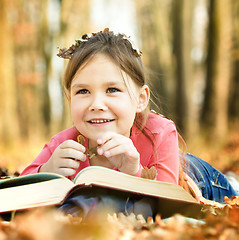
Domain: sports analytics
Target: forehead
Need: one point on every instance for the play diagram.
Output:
(100, 63)
(101, 68)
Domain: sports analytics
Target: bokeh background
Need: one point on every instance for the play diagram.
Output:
(190, 48)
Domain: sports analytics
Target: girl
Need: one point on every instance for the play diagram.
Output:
(109, 101)
(109, 98)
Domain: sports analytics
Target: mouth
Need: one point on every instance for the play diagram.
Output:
(100, 121)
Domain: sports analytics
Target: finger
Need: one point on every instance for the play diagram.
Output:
(115, 142)
(72, 144)
(120, 149)
(66, 171)
(69, 163)
(73, 154)
(106, 146)
(106, 137)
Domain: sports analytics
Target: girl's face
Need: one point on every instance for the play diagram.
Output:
(100, 100)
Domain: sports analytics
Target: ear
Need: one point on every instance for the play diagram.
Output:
(143, 100)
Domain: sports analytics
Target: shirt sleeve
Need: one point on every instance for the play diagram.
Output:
(42, 158)
(166, 156)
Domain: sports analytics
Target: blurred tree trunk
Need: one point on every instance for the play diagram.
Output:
(234, 89)
(8, 120)
(75, 21)
(30, 67)
(182, 31)
(45, 48)
(215, 108)
(154, 30)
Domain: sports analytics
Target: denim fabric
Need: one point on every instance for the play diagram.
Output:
(83, 204)
(213, 184)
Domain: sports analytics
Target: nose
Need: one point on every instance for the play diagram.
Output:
(98, 103)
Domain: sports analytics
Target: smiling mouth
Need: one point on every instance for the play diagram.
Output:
(98, 121)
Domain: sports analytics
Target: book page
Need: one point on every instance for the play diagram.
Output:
(111, 178)
(33, 195)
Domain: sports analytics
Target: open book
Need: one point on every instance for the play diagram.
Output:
(44, 189)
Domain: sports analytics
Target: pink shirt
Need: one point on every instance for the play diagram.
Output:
(164, 155)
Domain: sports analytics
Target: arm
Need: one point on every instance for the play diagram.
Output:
(42, 158)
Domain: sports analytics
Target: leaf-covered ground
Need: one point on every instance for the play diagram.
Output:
(49, 224)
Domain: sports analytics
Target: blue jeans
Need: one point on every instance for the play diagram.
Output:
(85, 203)
(212, 183)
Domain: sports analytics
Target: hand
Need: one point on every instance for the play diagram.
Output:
(65, 159)
(120, 151)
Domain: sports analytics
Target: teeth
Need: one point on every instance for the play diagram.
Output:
(100, 121)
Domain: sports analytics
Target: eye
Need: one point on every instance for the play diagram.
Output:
(112, 90)
(83, 91)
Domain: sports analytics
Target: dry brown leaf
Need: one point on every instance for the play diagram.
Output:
(91, 152)
(149, 173)
(233, 201)
(211, 203)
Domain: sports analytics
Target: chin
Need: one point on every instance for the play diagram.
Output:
(93, 137)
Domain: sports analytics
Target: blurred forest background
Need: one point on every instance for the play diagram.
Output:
(190, 46)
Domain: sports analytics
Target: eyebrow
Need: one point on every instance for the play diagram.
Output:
(111, 83)
(79, 85)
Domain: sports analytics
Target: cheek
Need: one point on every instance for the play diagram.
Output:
(126, 109)
(76, 110)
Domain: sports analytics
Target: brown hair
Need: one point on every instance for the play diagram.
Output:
(114, 46)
